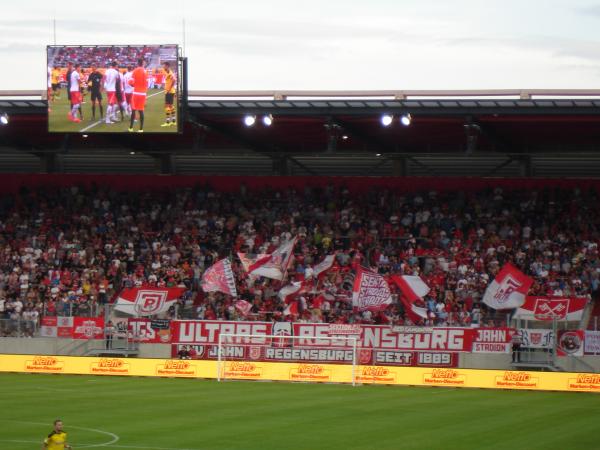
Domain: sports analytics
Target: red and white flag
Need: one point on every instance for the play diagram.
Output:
(291, 309)
(412, 289)
(252, 261)
(508, 290)
(219, 278)
(147, 301)
(324, 266)
(272, 266)
(550, 308)
(370, 291)
(287, 293)
(243, 307)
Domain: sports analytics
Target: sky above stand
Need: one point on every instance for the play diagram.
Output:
(326, 44)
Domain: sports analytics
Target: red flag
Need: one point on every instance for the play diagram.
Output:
(291, 309)
(508, 290)
(318, 301)
(144, 301)
(243, 307)
(219, 278)
(370, 291)
(412, 289)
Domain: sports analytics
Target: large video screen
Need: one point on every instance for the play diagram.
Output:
(113, 89)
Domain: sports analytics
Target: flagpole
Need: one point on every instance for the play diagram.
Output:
(290, 260)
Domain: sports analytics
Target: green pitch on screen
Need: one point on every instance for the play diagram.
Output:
(173, 414)
(154, 116)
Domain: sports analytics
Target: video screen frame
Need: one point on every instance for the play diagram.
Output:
(90, 116)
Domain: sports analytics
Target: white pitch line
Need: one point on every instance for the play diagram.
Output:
(114, 437)
(89, 127)
(42, 388)
(150, 448)
(16, 441)
(29, 442)
(111, 443)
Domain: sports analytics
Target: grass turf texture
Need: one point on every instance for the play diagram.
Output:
(160, 413)
(154, 116)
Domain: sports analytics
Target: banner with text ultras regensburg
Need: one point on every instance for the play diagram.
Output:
(377, 344)
(336, 373)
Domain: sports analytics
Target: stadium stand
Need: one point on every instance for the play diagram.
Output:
(68, 250)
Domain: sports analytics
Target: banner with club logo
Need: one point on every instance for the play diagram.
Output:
(377, 344)
(537, 338)
(147, 301)
(551, 308)
(88, 327)
(56, 326)
(508, 290)
(570, 343)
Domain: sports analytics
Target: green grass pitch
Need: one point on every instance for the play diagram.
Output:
(175, 414)
(154, 116)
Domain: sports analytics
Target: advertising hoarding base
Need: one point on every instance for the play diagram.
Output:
(304, 372)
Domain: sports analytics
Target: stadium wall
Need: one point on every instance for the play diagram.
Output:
(11, 183)
(53, 346)
(412, 376)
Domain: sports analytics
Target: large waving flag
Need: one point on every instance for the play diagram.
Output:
(219, 278)
(272, 266)
(412, 289)
(243, 307)
(324, 266)
(252, 261)
(508, 290)
(370, 291)
(147, 301)
(289, 292)
(552, 308)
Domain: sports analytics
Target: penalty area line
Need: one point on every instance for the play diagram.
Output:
(89, 127)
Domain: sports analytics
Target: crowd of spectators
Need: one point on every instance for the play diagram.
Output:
(101, 56)
(68, 251)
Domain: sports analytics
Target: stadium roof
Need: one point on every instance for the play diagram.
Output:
(486, 133)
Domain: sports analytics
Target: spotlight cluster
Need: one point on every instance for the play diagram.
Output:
(388, 119)
(250, 120)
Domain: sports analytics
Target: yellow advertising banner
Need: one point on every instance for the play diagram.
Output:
(324, 373)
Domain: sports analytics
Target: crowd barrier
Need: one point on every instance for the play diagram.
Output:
(334, 373)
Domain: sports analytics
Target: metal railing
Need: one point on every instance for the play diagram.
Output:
(70, 310)
(18, 328)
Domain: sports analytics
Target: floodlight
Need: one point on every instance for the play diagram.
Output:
(267, 120)
(386, 120)
(249, 120)
(406, 119)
